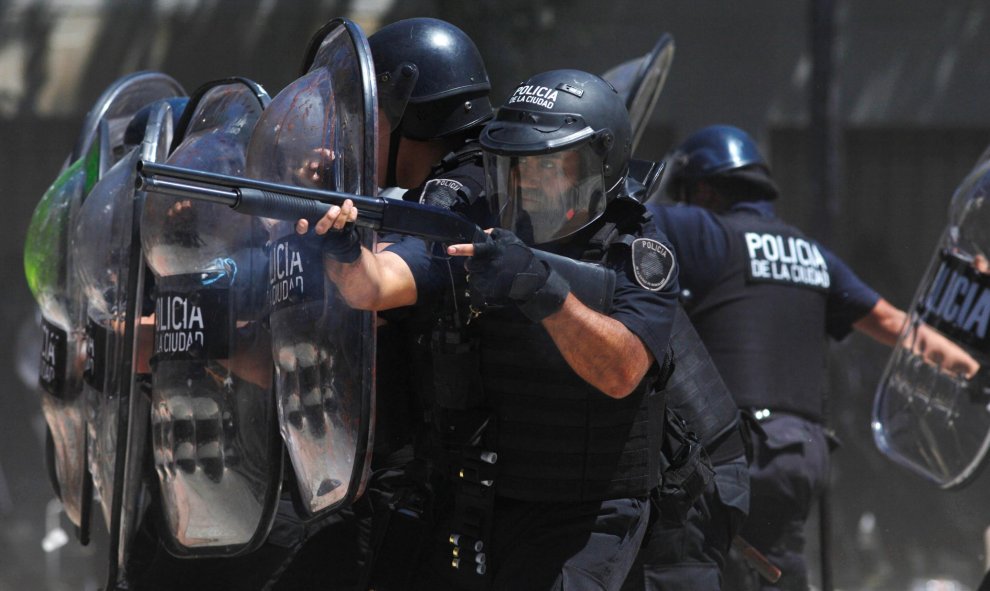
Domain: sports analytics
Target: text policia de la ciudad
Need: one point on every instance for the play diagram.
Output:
(536, 95)
(192, 315)
(957, 301)
(179, 325)
(194, 319)
(286, 275)
(786, 259)
(53, 354)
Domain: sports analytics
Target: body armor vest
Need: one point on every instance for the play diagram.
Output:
(559, 438)
(696, 391)
(764, 320)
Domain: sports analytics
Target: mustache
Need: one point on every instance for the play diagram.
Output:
(532, 194)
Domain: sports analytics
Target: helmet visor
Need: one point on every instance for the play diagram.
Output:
(545, 197)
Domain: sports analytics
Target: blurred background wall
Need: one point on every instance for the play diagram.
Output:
(909, 85)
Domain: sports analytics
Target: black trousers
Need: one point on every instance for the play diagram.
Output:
(572, 546)
(688, 553)
(788, 474)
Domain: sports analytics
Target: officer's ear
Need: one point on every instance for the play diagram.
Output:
(701, 193)
(706, 194)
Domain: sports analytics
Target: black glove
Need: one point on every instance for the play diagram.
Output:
(342, 245)
(507, 271)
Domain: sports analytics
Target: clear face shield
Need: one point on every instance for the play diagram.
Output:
(545, 197)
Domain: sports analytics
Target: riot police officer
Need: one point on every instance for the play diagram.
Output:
(436, 114)
(762, 296)
(572, 389)
(433, 97)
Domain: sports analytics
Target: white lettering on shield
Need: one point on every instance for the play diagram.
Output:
(179, 325)
(285, 276)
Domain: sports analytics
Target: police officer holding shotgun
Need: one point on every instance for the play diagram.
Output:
(552, 406)
(433, 97)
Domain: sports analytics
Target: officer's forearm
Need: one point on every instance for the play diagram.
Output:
(883, 323)
(375, 281)
(600, 349)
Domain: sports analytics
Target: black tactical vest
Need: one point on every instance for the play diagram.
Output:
(559, 438)
(697, 393)
(764, 320)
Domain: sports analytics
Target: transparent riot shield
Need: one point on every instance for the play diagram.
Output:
(932, 418)
(108, 266)
(48, 263)
(640, 81)
(46, 254)
(118, 103)
(320, 131)
(215, 439)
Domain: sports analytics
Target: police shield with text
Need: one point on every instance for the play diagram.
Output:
(49, 266)
(320, 132)
(216, 448)
(433, 96)
(46, 262)
(110, 272)
(223, 280)
(929, 415)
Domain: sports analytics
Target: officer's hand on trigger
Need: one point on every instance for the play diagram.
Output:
(505, 270)
(340, 238)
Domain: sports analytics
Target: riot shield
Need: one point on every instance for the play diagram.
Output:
(928, 417)
(320, 131)
(640, 81)
(109, 269)
(214, 434)
(48, 261)
(118, 103)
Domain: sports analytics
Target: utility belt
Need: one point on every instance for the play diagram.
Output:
(459, 448)
(765, 415)
(469, 538)
(441, 515)
(762, 414)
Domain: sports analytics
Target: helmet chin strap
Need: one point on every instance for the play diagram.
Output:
(393, 156)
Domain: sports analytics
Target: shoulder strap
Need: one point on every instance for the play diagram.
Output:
(471, 150)
(621, 225)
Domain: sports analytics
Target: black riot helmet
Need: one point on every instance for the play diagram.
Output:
(556, 154)
(725, 157)
(432, 82)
